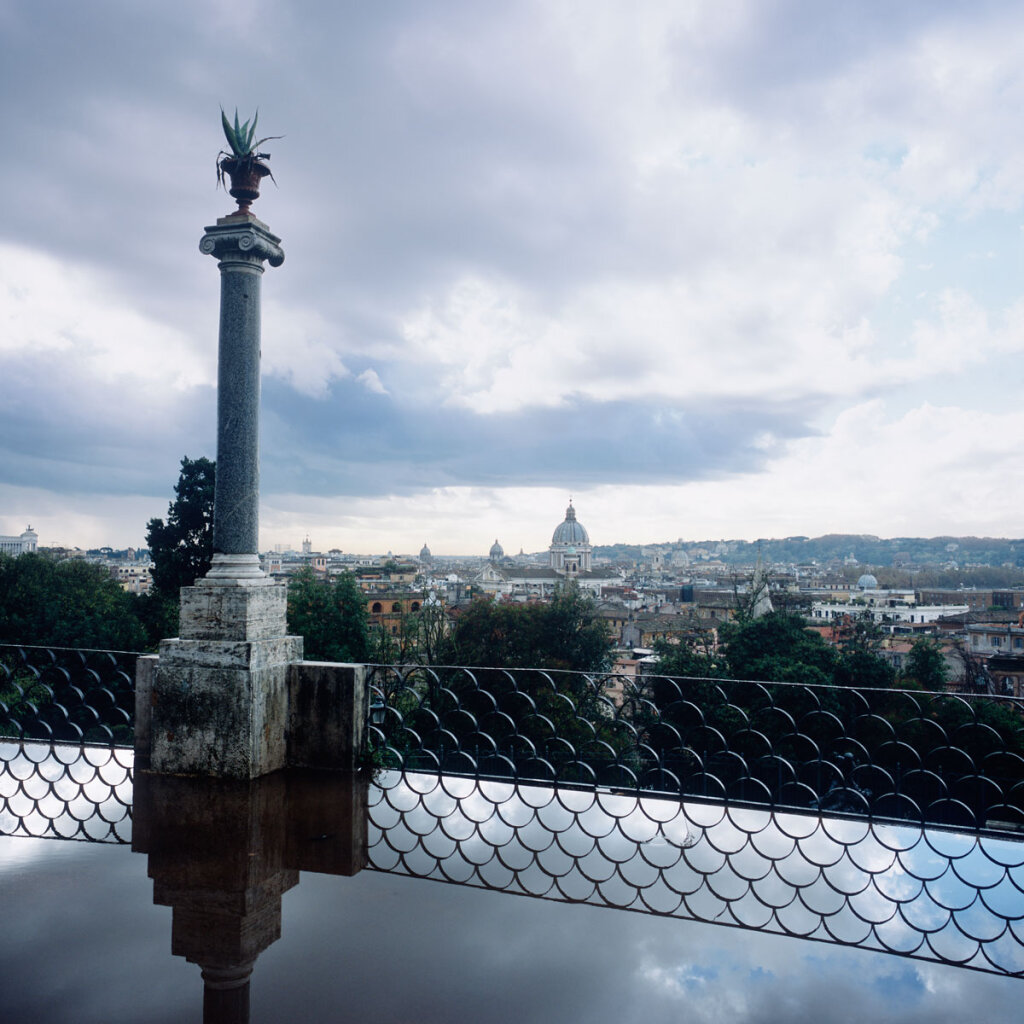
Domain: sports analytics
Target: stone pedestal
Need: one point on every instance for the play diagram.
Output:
(218, 701)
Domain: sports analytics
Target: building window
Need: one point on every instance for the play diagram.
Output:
(415, 606)
(396, 607)
(377, 608)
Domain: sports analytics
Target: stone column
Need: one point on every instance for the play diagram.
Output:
(218, 700)
(230, 696)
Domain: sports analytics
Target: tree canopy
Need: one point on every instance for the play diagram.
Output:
(66, 604)
(329, 615)
(565, 633)
(778, 647)
(926, 665)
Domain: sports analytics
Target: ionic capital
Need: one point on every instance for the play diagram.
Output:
(242, 240)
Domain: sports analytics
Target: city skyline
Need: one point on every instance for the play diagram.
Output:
(717, 271)
(1000, 552)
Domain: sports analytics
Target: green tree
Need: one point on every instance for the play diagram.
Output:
(66, 604)
(329, 615)
(859, 662)
(547, 723)
(565, 633)
(182, 548)
(158, 614)
(692, 655)
(926, 665)
(777, 648)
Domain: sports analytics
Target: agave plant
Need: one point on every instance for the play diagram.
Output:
(244, 151)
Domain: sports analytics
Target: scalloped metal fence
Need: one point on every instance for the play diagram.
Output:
(66, 695)
(897, 755)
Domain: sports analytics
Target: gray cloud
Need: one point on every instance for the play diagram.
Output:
(553, 153)
(64, 431)
(363, 443)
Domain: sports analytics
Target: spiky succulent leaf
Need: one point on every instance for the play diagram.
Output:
(229, 132)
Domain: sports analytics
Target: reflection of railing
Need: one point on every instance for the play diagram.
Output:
(935, 894)
(65, 791)
(63, 695)
(930, 894)
(896, 755)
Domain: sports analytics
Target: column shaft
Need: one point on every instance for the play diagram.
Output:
(241, 244)
(236, 503)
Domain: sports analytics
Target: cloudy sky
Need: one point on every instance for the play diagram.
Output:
(732, 268)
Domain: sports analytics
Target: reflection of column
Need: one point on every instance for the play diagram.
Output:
(216, 856)
(226, 994)
(223, 852)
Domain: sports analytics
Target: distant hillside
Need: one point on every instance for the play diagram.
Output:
(836, 547)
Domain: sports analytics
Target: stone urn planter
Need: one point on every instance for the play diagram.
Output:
(245, 174)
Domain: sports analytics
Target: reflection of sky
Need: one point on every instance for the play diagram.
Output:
(89, 945)
(461, 954)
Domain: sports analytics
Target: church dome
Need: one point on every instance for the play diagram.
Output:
(570, 531)
(424, 551)
(867, 582)
(497, 551)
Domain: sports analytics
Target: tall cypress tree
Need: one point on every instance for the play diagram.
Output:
(182, 548)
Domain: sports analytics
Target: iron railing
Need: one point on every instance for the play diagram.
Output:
(67, 695)
(895, 754)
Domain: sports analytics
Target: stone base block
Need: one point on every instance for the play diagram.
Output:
(233, 613)
(145, 674)
(327, 707)
(221, 707)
